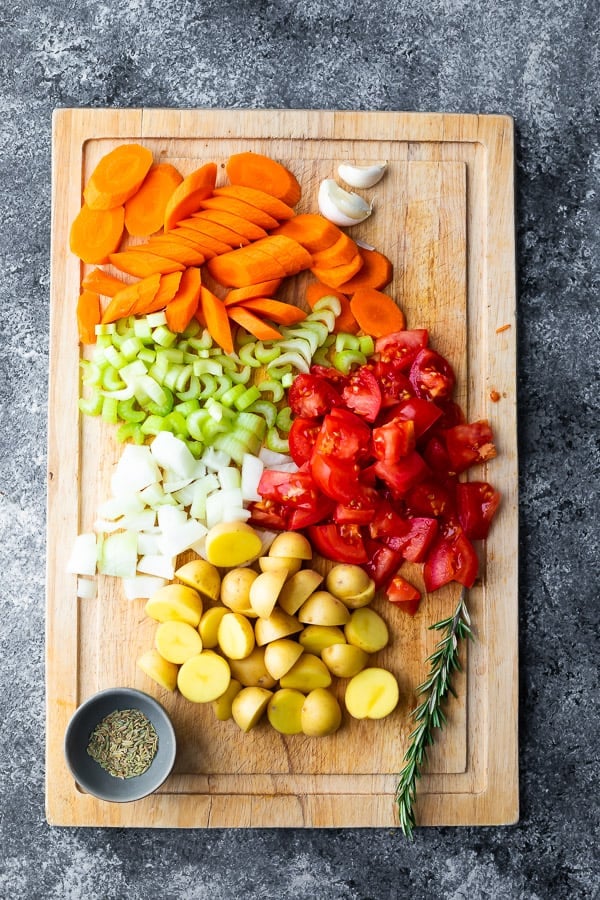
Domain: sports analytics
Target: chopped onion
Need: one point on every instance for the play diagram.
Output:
(141, 587)
(119, 555)
(135, 470)
(252, 469)
(87, 589)
(157, 564)
(181, 537)
(83, 555)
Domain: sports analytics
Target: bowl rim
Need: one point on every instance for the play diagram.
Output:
(132, 695)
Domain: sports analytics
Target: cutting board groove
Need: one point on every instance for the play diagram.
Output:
(444, 213)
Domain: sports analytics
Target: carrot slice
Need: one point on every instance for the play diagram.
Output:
(257, 171)
(181, 309)
(216, 318)
(248, 265)
(338, 254)
(253, 324)
(123, 302)
(102, 283)
(345, 321)
(143, 264)
(240, 208)
(167, 288)
(376, 272)
(185, 199)
(164, 246)
(276, 310)
(145, 211)
(313, 231)
(262, 289)
(255, 197)
(206, 244)
(214, 230)
(96, 233)
(336, 275)
(376, 312)
(235, 223)
(118, 176)
(89, 314)
(292, 255)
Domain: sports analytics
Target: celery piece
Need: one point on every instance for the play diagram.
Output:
(207, 367)
(111, 380)
(287, 380)
(130, 348)
(366, 344)
(246, 398)
(142, 330)
(153, 424)
(345, 359)
(247, 356)
(229, 397)
(193, 390)
(328, 303)
(195, 422)
(110, 410)
(241, 376)
(276, 443)
(266, 355)
(345, 341)
(128, 413)
(131, 431)
(284, 419)
(156, 319)
(188, 406)
(265, 409)
(163, 336)
(147, 355)
(92, 406)
(269, 385)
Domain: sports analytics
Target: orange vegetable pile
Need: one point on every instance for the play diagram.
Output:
(245, 235)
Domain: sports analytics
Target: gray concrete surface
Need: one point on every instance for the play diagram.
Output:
(536, 61)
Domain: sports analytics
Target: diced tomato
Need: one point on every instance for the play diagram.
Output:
(393, 440)
(477, 502)
(291, 488)
(362, 394)
(452, 414)
(393, 383)
(302, 437)
(337, 478)
(344, 435)
(402, 346)
(303, 516)
(387, 522)
(340, 543)
(403, 594)
(353, 514)
(432, 376)
(422, 412)
(312, 395)
(401, 476)
(383, 562)
(436, 456)
(469, 444)
(330, 374)
(451, 558)
(415, 542)
(267, 514)
(430, 498)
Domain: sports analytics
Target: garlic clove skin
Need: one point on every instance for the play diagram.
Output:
(342, 207)
(362, 176)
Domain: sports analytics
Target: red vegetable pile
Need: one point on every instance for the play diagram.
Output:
(379, 454)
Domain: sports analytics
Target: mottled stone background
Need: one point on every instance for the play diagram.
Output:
(538, 61)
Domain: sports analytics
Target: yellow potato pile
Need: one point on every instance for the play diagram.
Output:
(272, 641)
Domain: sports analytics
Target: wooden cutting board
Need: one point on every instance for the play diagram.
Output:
(444, 213)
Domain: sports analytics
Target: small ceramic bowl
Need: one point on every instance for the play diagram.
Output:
(89, 774)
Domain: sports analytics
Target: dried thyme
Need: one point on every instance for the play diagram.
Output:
(124, 743)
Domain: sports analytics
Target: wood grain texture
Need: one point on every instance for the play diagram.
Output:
(445, 214)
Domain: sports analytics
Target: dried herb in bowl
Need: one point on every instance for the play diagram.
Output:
(124, 743)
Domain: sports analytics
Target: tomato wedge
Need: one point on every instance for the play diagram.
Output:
(469, 444)
(477, 502)
(451, 558)
(311, 395)
(302, 437)
(393, 383)
(383, 562)
(362, 394)
(340, 543)
(401, 476)
(413, 545)
(431, 375)
(393, 440)
(402, 346)
(403, 594)
(343, 434)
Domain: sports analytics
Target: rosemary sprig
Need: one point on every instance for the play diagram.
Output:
(429, 713)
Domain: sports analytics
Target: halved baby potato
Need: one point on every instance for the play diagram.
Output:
(248, 707)
(175, 601)
(235, 636)
(322, 608)
(202, 576)
(177, 641)
(285, 711)
(291, 544)
(308, 673)
(204, 677)
(298, 589)
(367, 630)
(372, 694)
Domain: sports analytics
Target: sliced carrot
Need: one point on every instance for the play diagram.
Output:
(235, 223)
(118, 176)
(262, 289)
(102, 283)
(248, 265)
(214, 230)
(376, 272)
(181, 309)
(89, 314)
(123, 302)
(338, 254)
(292, 255)
(143, 264)
(216, 318)
(257, 171)
(167, 288)
(376, 312)
(240, 208)
(345, 321)
(336, 275)
(253, 324)
(255, 197)
(206, 244)
(145, 211)
(276, 310)
(313, 231)
(96, 233)
(186, 198)
(164, 246)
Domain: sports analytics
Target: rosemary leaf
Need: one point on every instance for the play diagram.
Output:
(429, 713)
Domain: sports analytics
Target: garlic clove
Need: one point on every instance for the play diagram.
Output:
(342, 207)
(362, 176)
